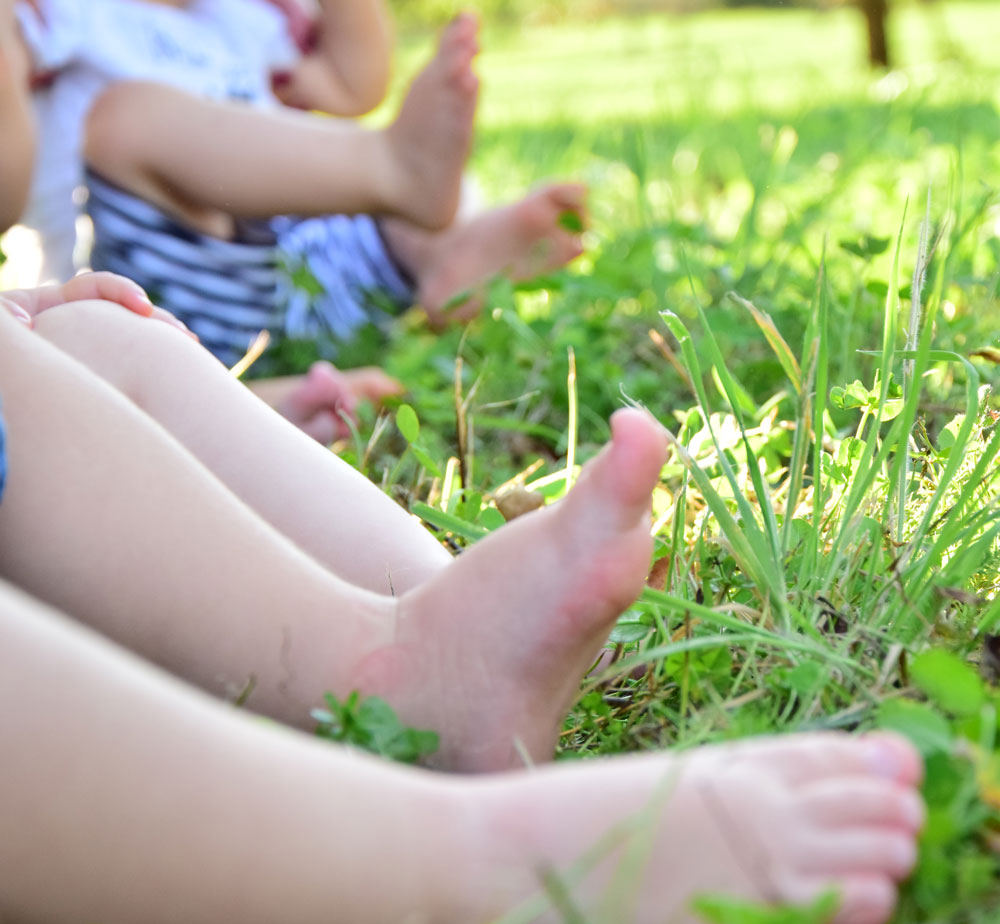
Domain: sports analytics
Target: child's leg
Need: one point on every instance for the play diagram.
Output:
(157, 805)
(203, 160)
(110, 519)
(301, 488)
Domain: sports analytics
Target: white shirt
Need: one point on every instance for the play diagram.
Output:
(221, 49)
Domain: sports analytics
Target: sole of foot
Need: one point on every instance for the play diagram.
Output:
(431, 137)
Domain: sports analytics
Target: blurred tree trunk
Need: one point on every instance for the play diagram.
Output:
(876, 13)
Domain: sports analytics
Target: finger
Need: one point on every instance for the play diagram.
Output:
(161, 314)
(17, 311)
(372, 384)
(124, 291)
(322, 427)
(106, 286)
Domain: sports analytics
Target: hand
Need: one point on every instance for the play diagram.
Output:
(25, 304)
(301, 25)
(324, 401)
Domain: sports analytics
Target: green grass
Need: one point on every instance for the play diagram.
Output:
(827, 553)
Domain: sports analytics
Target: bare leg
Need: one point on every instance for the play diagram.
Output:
(302, 489)
(218, 596)
(206, 161)
(156, 804)
(109, 518)
(548, 588)
(521, 241)
(145, 806)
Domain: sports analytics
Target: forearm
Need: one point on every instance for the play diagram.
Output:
(351, 66)
(16, 129)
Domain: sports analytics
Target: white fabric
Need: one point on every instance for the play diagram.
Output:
(222, 49)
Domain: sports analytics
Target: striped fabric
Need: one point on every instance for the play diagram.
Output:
(225, 291)
(319, 278)
(337, 276)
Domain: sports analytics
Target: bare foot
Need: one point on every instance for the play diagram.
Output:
(429, 141)
(521, 241)
(321, 402)
(490, 652)
(778, 820)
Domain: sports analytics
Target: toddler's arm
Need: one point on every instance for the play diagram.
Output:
(347, 58)
(15, 119)
(25, 304)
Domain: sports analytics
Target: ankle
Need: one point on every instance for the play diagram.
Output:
(392, 177)
(497, 830)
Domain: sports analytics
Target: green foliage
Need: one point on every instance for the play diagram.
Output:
(828, 525)
(956, 732)
(371, 724)
(728, 911)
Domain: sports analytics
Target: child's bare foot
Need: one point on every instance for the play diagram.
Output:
(430, 139)
(490, 652)
(775, 820)
(521, 241)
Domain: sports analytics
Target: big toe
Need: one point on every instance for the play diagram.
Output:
(631, 468)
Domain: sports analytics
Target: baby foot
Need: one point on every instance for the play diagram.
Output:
(490, 652)
(775, 821)
(430, 139)
(521, 241)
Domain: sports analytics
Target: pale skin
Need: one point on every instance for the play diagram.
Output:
(321, 403)
(18, 149)
(823, 810)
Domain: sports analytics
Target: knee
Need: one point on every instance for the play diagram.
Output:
(119, 346)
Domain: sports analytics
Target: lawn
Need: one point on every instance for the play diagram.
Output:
(795, 265)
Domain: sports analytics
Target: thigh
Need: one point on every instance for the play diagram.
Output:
(326, 507)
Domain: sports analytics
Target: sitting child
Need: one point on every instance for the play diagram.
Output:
(131, 507)
(179, 182)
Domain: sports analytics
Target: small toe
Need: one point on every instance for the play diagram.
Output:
(861, 851)
(862, 800)
(866, 900)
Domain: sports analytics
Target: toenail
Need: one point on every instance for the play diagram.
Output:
(884, 758)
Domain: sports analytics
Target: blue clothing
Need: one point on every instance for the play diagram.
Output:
(317, 278)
